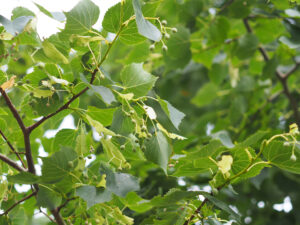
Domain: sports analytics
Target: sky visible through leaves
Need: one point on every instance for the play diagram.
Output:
(46, 31)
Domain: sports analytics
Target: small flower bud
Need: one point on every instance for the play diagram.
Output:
(152, 47)
(167, 36)
(144, 128)
(70, 164)
(174, 30)
(293, 158)
(164, 22)
(164, 48)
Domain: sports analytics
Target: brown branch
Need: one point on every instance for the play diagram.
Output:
(58, 218)
(18, 202)
(12, 148)
(11, 163)
(13, 110)
(196, 212)
(295, 67)
(65, 203)
(280, 76)
(52, 220)
(66, 105)
(227, 4)
(25, 131)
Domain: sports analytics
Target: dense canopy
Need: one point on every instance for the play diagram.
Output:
(185, 112)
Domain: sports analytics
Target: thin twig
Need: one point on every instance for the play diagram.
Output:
(66, 105)
(227, 4)
(18, 202)
(58, 218)
(12, 163)
(52, 220)
(12, 148)
(198, 210)
(65, 203)
(280, 76)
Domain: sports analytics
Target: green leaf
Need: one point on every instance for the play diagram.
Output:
(280, 155)
(112, 18)
(145, 28)
(121, 123)
(222, 206)
(172, 197)
(104, 116)
(218, 73)
(270, 68)
(114, 154)
(130, 35)
(59, 16)
(246, 47)
(23, 178)
(65, 137)
(136, 80)
(81, 18)
(48, 198)
(121, 183)
(117, 183)
(99, 127)
(254, 140)
(21, 11)
(174, 114)
(205, 95)
(17, 25)
(158, 150)
(43, 10)
(102, 92)
(3, 112)
(93, 195)
(291, 43)
(178, 54)
(224, 137)
(56, 167)
(219, 29)
(136, 203)
(51, 51)
(81, 145)
(3, 191)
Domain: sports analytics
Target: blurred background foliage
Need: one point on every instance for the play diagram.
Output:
(216, 74)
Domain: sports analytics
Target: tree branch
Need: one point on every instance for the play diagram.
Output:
(65, 203)
(66, 105)
(13, 110)
(196, 212)
(12, 163)
(25, 131)
(295, 67)
(18, 202)
(280, 76)
(12, 148)
(52, 220)
(59, 220)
